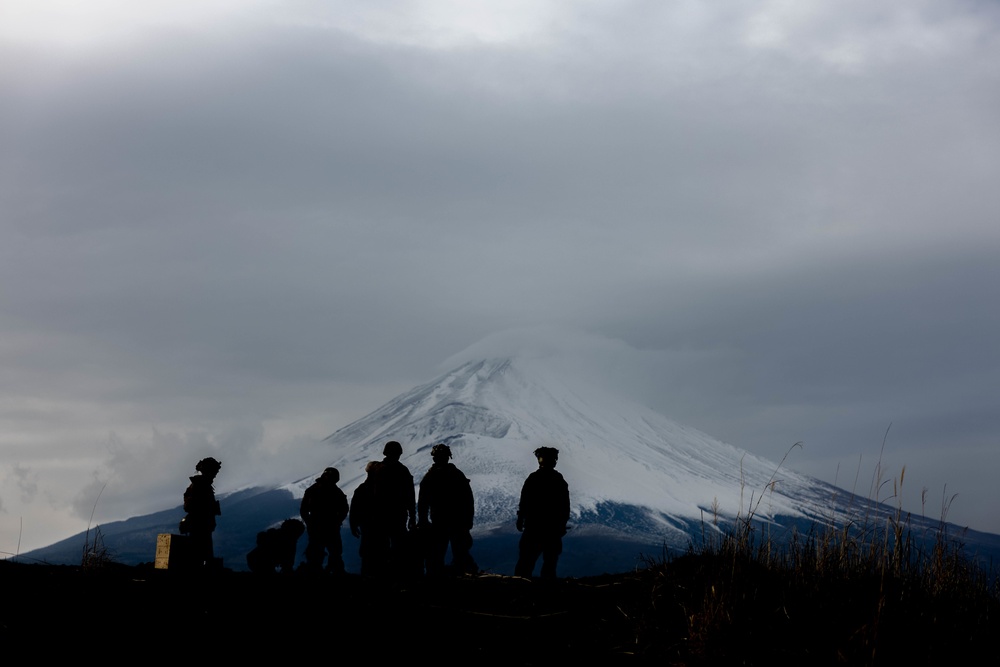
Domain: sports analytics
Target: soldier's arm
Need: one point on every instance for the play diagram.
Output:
(304, 507)
(565, 502)
(469, 503)
(422, 503)
(523, 505)
(340, 506)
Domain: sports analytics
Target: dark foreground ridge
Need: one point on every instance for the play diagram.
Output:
(695, 610)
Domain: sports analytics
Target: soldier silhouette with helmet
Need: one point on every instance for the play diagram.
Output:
(542, 516)
(202, 508)
(396, 504)
(445, 512)
(323, 509)
(367, 525)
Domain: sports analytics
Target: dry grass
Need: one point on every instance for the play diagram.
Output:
(869, 590)
(95, 553)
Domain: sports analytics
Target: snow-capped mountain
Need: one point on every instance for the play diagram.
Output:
(614, 454)
(638, 481)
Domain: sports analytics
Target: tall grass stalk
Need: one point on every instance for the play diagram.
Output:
(95, 553)
(866, 572)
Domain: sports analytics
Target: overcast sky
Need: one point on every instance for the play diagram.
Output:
(230, 227)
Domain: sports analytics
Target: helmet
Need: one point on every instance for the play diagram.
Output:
(441, 449)
(332, 474)
(392, 449)
(547, 454)
(208, 466)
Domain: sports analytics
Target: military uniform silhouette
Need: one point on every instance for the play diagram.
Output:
(202, 508)
(367, 525)
(276, 548)
(396, 504)
(542, 515)
(324, 508)
(445, 512)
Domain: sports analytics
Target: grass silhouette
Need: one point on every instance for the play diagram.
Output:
(871, 589)
(868, 590)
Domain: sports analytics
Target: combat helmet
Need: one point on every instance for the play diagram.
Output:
(441, 449)
(547, 455)
(208, 466)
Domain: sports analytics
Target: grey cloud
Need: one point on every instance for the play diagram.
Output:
(27, 482)
(143, 474)
(214, 236)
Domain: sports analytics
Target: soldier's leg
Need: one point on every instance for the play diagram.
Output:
(374, 552)
(314, 550)
(202, 552)
(435, 547)
(550, 555)
(462, 561)
(335, 547)
(529, 550)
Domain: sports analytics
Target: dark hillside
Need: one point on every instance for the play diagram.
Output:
(57, 610)
(696, 610)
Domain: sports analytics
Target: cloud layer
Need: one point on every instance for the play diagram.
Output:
(234, 227)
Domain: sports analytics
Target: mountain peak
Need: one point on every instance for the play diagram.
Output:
(494, 411)
(538, 343)
(638, 481)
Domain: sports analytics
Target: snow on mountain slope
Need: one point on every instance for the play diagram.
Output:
(638, 481)
(613, 452)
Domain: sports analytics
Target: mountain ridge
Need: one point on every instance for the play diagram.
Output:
(638, 481)
(495, 412)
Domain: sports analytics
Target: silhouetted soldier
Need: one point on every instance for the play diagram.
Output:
(202, 508)
(397, 507)
(324, 508)
(446, 495)
(367, 525)
(542, 516)
(276, 548)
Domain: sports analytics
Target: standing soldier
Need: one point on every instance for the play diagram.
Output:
(542, 516)
(367, 526)
(202, 508)
(397, 506)
(446, 495)
(324, 508)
